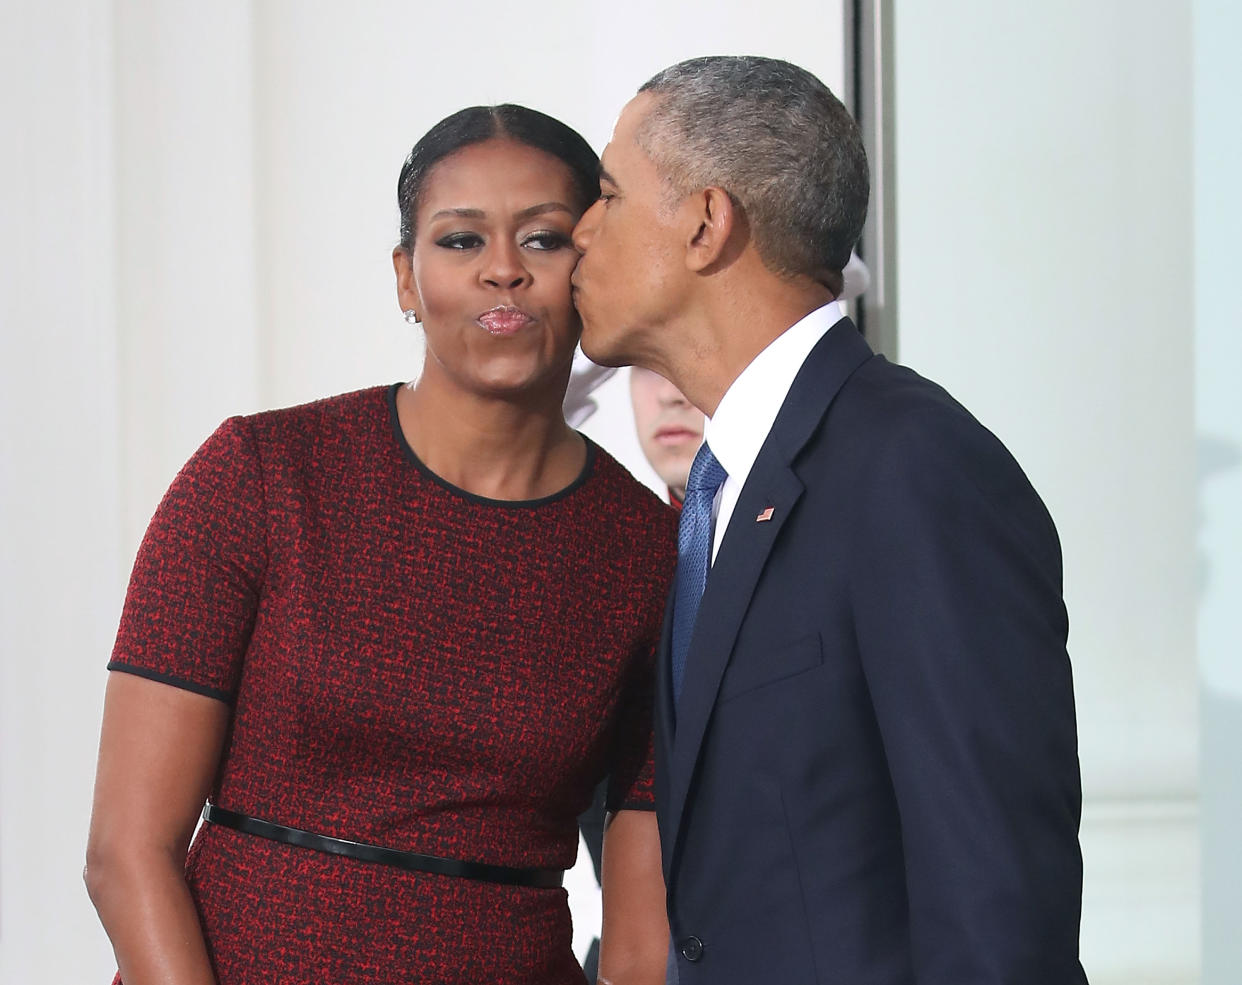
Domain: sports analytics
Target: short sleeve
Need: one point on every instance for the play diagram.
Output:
(631, 784)
(196, 581)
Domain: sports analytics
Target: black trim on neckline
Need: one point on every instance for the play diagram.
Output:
(588, 467)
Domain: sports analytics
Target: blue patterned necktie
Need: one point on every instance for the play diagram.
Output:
(694, 551)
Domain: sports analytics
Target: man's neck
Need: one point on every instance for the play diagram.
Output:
(734, 326)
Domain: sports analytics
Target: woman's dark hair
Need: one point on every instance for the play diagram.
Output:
(477, 124)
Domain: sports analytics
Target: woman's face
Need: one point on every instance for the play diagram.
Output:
(489, 270)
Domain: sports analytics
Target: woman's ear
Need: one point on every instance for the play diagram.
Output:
(716, 222)
(403, 267)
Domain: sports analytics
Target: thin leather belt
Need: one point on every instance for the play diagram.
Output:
(412, 861)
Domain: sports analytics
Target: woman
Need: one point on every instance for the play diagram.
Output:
(395, 637)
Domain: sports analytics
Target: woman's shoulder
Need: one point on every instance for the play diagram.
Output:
(628, 500)
(344, 409)
(317, 425)
(290, 438)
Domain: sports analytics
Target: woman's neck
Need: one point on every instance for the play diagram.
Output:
(504, 449)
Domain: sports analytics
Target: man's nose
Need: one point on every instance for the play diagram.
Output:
(585, 230)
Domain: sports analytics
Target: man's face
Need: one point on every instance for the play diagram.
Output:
(632, 276)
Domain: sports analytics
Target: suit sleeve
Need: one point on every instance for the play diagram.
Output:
(962, 632)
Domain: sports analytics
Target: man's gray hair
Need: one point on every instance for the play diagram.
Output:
(778, 141)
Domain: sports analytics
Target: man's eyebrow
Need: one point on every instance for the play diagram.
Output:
(605, 176)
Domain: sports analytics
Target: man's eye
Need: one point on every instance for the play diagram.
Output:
(460, 241)
(546, 239)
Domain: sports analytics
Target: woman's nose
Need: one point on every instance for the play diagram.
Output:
(503, 267)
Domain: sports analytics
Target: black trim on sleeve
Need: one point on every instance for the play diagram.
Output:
(632, 805)
(154, 675)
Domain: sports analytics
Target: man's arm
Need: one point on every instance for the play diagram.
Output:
(962, 631)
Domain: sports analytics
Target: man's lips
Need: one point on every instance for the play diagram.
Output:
(505, 320)
(673, 435)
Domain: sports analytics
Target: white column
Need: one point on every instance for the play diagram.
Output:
(1218, 425)
(128, 333)
(186, 263)
(59, 503)
(1044, 240)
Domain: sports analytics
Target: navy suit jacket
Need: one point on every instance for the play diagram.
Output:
(871, 777)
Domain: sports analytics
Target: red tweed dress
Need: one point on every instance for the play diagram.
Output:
(408, 665)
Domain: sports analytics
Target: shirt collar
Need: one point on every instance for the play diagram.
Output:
(749, 407)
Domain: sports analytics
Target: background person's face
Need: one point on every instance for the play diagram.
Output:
(670, 428)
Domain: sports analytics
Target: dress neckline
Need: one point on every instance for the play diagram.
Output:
(408, 453)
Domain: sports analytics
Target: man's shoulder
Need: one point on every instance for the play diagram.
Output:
(889, 417)
(885, 400)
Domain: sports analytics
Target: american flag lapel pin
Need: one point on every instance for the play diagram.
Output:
(765, 515)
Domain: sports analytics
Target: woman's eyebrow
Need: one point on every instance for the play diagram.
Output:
(543, 208)
(534, 210)
(461, 213)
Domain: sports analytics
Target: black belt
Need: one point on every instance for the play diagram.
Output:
(412, 861)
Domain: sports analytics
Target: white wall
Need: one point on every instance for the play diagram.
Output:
(1218, 426)
(1044, 270)
(199, 210)
(60, 504)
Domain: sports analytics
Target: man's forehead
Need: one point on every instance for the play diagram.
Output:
(624, 131)
(631, 115)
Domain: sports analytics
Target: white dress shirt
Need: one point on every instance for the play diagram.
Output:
(749, 407)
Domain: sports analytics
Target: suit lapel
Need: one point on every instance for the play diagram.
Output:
(743, 553)
(730, 585)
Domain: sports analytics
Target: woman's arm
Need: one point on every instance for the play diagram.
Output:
(633, 947)
(158, 753)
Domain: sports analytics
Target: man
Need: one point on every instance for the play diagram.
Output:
(866, 748)
(669, 428)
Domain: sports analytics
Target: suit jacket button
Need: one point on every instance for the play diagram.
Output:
(691, 948)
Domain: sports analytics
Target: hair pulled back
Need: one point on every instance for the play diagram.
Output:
(477, 124)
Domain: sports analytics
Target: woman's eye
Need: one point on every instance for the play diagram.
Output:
(546, 239)
(460, 241)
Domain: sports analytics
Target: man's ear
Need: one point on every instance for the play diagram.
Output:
(716, 221)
